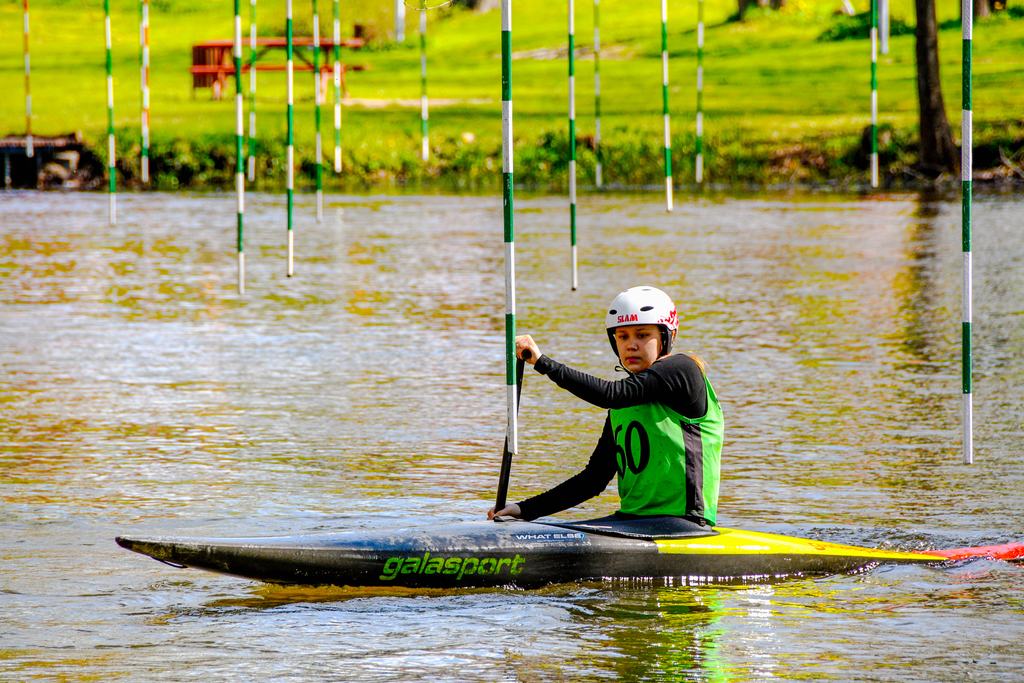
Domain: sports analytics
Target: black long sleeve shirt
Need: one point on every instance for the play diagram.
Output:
(675, 381)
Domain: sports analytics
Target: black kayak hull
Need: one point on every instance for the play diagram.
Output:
(515, 553)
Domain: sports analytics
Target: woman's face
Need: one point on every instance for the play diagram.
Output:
(638, 346)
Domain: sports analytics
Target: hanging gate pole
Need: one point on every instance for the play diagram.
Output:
(874, 93)
(29, 146)
(317, 93)
(699, 162)
(572, 142)
(664, 105)
(290, 170)
(252, 90)
(111, 141)
(239, 155)
(144, 85)
(337, 88)
(966, 180)
(424, 106)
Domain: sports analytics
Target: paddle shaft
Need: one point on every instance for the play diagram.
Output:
(506, 456)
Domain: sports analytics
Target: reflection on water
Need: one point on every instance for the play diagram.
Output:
(140, 392)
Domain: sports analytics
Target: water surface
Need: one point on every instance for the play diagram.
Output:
(140, 393)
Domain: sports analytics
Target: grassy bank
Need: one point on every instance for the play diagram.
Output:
(782, 103)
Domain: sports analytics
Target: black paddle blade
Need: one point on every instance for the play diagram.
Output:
(506, 456)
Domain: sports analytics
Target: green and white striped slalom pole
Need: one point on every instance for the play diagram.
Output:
(699, 161)
(664, 105)
(572, 140)
(111, 159)
(29, 145)
(337, 87)
(317, 93)
(507, 185)
(966, 180)
(252, 91)
(874, 93)
(290, 161)
(239, 135)
(598, 168)
(424, 105)
(144, 85)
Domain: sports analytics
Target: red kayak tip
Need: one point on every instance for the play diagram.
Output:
(1007, 551)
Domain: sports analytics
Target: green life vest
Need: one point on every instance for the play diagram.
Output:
(668, 464)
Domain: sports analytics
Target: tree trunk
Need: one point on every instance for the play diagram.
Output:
(744, 5)
(981, 9)
(938, 154)
(479, 5)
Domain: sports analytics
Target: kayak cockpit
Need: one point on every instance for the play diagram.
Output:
(641, 528)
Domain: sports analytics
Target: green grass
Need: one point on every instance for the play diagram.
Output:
(770, 85)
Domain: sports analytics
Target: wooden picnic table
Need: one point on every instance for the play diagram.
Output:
(213, 64)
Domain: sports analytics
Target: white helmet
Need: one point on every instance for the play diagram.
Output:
(643, 306)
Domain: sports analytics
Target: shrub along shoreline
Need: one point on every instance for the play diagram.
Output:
(631, 158)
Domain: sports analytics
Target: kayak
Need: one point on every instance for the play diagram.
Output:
(522, 554)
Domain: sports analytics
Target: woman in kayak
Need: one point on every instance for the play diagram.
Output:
(664, 430)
